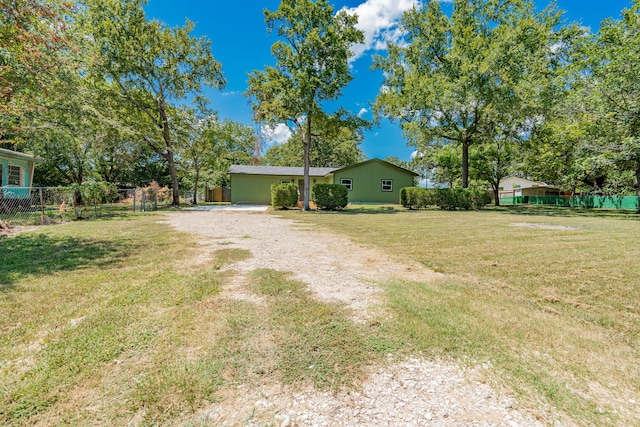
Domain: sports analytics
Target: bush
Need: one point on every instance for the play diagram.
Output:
(462, 198)
(330, 196)
(479, 198)
(284, 196)
(417, 197)
(451, 199)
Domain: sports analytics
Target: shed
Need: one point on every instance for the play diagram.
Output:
(514, 186)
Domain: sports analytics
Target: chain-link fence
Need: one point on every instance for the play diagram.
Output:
(44, 205)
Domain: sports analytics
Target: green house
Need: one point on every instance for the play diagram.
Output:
(372, 181)
(16, 173)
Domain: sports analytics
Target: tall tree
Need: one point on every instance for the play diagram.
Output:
(210, 146)
(614, 73)
(153, 67)
(311, 67)
(460, 76)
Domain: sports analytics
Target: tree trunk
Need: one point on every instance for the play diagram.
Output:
(495, 186)
(638, 183)
(465, 163)
(77, 195)
(166, 135)
(174, 179)
(195, 191)
(306, 142)
(196, 180)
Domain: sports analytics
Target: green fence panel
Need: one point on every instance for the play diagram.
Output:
(606, 202)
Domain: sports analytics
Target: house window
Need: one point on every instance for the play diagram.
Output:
(286, 181)
(347, 182)
(387, 185)
(13, 175)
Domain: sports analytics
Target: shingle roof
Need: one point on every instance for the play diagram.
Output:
(278, 170)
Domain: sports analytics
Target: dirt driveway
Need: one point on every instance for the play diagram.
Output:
(409, 392)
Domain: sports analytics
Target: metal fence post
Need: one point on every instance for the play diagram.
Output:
(135, 192)
(41, 200)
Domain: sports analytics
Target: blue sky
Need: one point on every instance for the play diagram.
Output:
(241, 44)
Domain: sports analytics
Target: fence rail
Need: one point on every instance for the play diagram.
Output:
(43, 205)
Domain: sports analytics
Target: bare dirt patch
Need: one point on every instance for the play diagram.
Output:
(407, 392)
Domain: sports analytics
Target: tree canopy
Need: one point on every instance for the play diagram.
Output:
(475, 77)
(490, 89)
(334, 143)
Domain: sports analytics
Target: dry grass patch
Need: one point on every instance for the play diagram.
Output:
(316, 343)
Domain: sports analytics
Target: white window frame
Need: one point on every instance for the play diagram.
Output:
(286, 181)
(389, 185)
(9, 175)
(349, 185)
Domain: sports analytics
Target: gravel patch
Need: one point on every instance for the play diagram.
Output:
(412, 392)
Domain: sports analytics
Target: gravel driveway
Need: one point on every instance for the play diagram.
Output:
(413, 392)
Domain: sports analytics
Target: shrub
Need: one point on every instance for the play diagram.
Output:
(451, 199)
(417, 197)
(462, 198)
(330, 196)
(284, 196)
(479, 198)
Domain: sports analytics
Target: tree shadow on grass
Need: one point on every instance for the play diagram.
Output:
(39, 254)
(562, 211)
(366, 210)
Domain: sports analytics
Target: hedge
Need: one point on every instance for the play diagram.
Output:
(284, 196)
(417, 197)
(444, 198)
(330, 196)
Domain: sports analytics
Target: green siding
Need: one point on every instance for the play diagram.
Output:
(367, 181)
(257, 188)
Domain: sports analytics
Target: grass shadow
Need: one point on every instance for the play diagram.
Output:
(41, 254)
(561, 211)
(363, 210)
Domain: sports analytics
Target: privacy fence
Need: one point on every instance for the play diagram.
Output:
(607, 202)
(44, 205)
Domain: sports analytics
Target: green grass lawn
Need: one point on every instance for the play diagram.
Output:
(550, 297)
(109, 321)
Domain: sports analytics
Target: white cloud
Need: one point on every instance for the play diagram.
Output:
(378, 19)
(362, 112)
(276, 135)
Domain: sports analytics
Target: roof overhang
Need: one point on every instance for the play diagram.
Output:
(20, 156)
